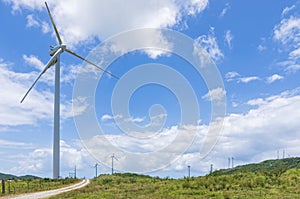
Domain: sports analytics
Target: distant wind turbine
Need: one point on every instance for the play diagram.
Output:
(112, 163)
(55, 53)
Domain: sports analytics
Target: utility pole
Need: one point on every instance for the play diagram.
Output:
(211, 168)
(228, 162)
(277, 154)
(283, 154)
(75, 172)
(189, 171)
(232, 162)
(96, 167)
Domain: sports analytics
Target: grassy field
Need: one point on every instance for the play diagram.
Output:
(237, 185)
(34, 185)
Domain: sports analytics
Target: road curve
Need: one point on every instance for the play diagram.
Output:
(45, 194)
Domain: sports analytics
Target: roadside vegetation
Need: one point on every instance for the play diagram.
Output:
(17, 186)
(260, 181)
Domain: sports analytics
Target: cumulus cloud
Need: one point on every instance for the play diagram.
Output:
(36, 23)
(35, 107)
(274, 78)
(210, 44)
(235, 76)
(103, 19)
(287, 33)
(248, 79)
(37, 161)
(215, 95)
(107, 117)
(230, 76)
(248, 137)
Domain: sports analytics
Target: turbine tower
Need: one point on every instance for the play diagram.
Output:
(55, 53)
(112, 163)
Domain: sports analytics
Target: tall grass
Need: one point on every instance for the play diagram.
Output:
(238, 185)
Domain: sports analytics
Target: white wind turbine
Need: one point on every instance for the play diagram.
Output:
(55, 53)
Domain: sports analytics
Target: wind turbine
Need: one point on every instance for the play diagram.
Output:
(55, 53)
(112, 163)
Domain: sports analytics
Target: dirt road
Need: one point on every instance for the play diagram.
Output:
(45, 194)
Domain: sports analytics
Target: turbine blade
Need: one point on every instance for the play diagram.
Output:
(80, 57)
(53, 24)
(50, 63)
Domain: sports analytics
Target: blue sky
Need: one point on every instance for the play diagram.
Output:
(255, 45)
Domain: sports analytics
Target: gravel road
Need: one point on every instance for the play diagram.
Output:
(45, 194)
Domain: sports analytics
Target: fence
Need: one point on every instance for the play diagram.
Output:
(27, 186)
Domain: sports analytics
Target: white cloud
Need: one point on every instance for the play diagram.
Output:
(228, 38)
(215, 95)
(106, 117)
(37, 162)
(287, 33)
(34, 61)
(248, 79)
(210, 44)
(288, 30)
(31, 22)
(286, 10)
(230, 76)
(235, 76)
(25, 4)
(136, 119)
(103, 19)
(248, 137)
(36, 106)
(193, 7)
(15, 145)
(255, 102)
(262, 130)
(274, 78)
(295, 54)
(261, 47)
(36, 23)
(146, 38)
(225, 10)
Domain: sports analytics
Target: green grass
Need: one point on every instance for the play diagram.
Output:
(237, 185)
(15, 187)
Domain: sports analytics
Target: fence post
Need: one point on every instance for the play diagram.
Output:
(3, 187)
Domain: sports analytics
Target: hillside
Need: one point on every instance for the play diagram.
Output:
(268, 166)
(249, 181)
(4, 176)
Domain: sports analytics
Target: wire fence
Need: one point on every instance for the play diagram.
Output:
(9, 187)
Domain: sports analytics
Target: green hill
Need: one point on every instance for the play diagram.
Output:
(268, 166)
(269, 179)
(4, 176)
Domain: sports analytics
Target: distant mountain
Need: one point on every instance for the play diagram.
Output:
(265, 166)
(13, 177)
